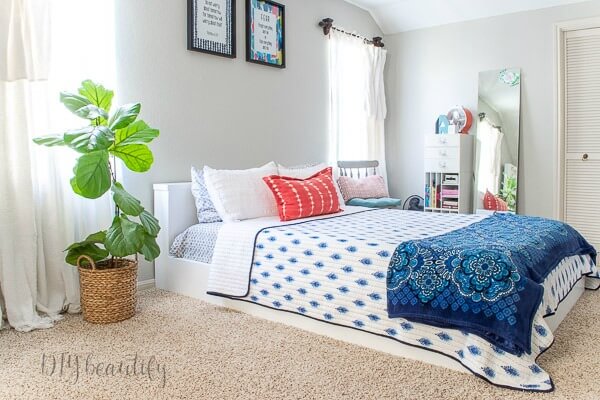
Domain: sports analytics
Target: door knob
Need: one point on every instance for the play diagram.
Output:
(585, 157)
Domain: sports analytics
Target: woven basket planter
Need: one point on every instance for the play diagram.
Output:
(108, 289)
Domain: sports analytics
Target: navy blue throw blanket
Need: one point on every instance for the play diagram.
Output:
(483, 279)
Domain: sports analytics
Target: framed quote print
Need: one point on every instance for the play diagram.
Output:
(265, 33)
(211, 27)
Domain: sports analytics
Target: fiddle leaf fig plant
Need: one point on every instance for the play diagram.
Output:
(108, 137)
(509, 193)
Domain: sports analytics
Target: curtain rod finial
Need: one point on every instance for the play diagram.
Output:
(378, 41)
(326, 24)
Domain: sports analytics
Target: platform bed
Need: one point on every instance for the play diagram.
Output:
(174, 207)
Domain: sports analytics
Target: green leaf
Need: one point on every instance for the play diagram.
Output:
(73, 102)
(126, 202)
(90, 138)
(137, 157)
(50, 141)
(94, 238)
(98, 95)
(91, 250)
(98, 237)
(75, 187)
(150, 248)
(124, 237)
(150, 223)
(101, 138)
(75, 134)
(124, 116)
(92, 174)
(137, 133)
(91, 112)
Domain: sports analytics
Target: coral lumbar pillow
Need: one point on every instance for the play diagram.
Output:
(304, 172)
(501, 205)
(300, 198)
(494, 203)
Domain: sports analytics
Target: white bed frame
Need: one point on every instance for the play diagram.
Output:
(174, 207)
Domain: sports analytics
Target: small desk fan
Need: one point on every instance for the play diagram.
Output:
(414, 203)
(462, 118)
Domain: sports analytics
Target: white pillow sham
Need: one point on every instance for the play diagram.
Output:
(241, 194)
(301, 172)
(308, 171)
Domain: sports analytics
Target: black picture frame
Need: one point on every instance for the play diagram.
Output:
(255, 57)
(206, 46)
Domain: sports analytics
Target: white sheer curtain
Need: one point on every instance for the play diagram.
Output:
(357, 96)
(44, 47)
(489, 154)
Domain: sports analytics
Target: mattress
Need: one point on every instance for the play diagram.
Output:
(334, 269)
(197, 243)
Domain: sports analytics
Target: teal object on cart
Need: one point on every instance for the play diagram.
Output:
(375, 203)
(442, 125)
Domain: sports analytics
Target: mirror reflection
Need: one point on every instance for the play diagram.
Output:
(497, 144)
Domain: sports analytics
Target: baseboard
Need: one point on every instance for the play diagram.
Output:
(146, 285)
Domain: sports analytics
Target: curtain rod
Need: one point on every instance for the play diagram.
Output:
(327, 25)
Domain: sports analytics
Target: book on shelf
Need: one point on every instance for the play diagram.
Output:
(450, 204)
(432, 195)
(450, 192)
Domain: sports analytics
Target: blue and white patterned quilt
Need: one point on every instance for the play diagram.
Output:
(485, 278)
(334, 269)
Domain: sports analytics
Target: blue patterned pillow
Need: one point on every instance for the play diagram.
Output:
(205, 208)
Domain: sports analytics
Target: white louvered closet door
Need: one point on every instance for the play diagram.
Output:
(582, 132)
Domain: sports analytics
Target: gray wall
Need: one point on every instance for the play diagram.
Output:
(222, 112)
(431, 70)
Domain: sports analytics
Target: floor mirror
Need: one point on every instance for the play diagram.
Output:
(497, 141)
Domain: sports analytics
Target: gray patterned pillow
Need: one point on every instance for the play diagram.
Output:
(205, 208)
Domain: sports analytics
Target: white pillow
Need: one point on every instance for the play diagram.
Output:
(308, 171)
(301, 172)
(241, 194)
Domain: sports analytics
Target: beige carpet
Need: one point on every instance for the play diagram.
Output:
(207, 352)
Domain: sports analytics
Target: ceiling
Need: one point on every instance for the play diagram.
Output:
(395, 16)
